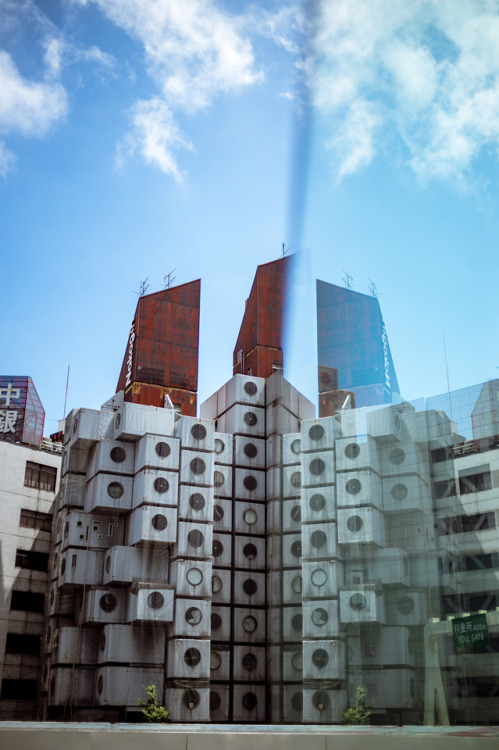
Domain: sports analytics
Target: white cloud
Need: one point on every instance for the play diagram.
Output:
(53, 57)
(7, 159)
(27, 107)
(425, 71)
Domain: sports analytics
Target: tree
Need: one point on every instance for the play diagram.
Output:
(154, 713)
(360, 712)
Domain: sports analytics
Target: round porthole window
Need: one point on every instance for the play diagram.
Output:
(192, 657)
(217, 548)
(358, 601)
(352, 450)
(115, 490)
(195, 538)
(215, 701)
(296, 513)
(249, 624)
(355, 523)
(250, 483)
(297, 702)
(162, 449)
(318, 539)
(250, 450)
(117, 421)
(296, 447)
(297, 623)
(215, 660)
(198, 431)
(194, 576)
(218, 479)
(405, 605)
(249, 662)
(108, 564)
(296, 550)
(59, 526)
(319, 617)
(198, 466)
(216, 584)
(159, 522)
(399, 492)
(297, 584)
(250, 551)
(250, 418)
(108, 603)
(353, 486)
(295, 479)
(250, 516)
(249, 701)
(100, 684)
(216, 621)
(218, 513)
(250, 388)
(250, 586)
(320, 658)
(219, 446)
(161, 485)
(316, 432)
(397, 456)
(191, 699)
(66, 529)
(75, 425)
(197, 501)
(63, 566)
(117, 454)
(103, 642)
(317, 502)
(193, 616)
(320, 700)
(317, 467)
(155, 600)
(297, 661)
(318, 577)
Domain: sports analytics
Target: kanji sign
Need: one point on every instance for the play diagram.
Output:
(470, 632)
(8, 420)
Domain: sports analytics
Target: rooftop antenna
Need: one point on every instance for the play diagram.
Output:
(447, 373)
(373, 288)
(169, 279)
(144, 286)
(66, 396)
(348, 280)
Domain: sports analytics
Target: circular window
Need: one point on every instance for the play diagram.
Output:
(250, 450)
(296, 447)
(117, 421)
(159, 522)
(250, 483)
(250, 551)
(250, 418)
(295, 479)
(358, 601)
(397, 422)
(192, 657)
(317, 502)
(155, 600)
(249, 701)
(218, 513)
(118, 455)
(217, 548)
(66, 529)
(103, 642)
(198, 431)
(75, 424)
(353, 486)
(216, 584)
(198, 466)
(108, 603)
(297, 623)
(215, 701)
(163, 450)
(297, 584)
(108, 563)
(297, 701)
(216, 621)
(219, 446)
(218, 479)
(100, 684)
(355, 523)
(197, 501)
(194, 576)
(397, 456)
(297, 661)
(250, 388)
(191, 699)
(215, 660)
(318, 577)
(249, 662)
(320, 700)
(195, 538)
(193, 616)
(63, 566)
(319, 617)
(296, 549)
(399, 492)
(316, 432)
(249, 624)
(250, 586)
(320, 658)
(55, 561)
(405, 605)
(318, 539)
(317, 467)
(250, 516)
(161, 485)
(115, 490)
(296, 513)
(352, 450)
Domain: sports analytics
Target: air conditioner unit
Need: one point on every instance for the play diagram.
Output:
(224, 449)
(81, 567)
(221, 583)
(249, 552)
(317, 468)
(322, 579)
(102, 606)
(319, 434)
(249, 518)
(195, 503)
(242, 419)
(321, 618)
(131, 645)
(153, 487)
(157, 452)
(391, 689)
(219, 703)
(249, 588)
(108, 493)
(324, 660)
(362, 604)
(94, 531)
(323, 706)
(222, 481)
(407, 608)
(406, 493)
(188, 658)
(249, 625)
(194, 433)
(249, 452)
(318, 504)
(133, 421)
(150, 523)
(111, 457)
(319, 541)
(291, 449)
(291, 516)
(391, 567)
(192, 619)
(194, 540)
(244, 389)
(220, 624)
(222, 550)
(291, 481)
(292, 663)
(249, 663)
(196, 468)
(150, 603)
(74, 645)
(249, 485)
(356, 488)
(189, 704)
(292, 585)
(71, 686)
(87, 426)
(357, 454)
(273, 451)
(191, 578)
(386, 424)
(292, 550)
(249, 703)
(364, 526)
(124, 686)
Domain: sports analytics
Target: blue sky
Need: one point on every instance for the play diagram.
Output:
(141, 136)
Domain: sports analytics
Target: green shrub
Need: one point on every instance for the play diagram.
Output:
(154, 713)
(360, 712)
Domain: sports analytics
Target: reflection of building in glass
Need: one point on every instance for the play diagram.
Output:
(352, 340)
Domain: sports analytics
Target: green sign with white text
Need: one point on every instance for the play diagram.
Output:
(470, 632)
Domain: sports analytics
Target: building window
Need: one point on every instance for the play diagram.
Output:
(27, 601)
(40, 477)
(32, 519)
(18, 690)
(32, 560)
(447, 488)
(463, 524)
(482, 561)
(20, 643)
(475, 483)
